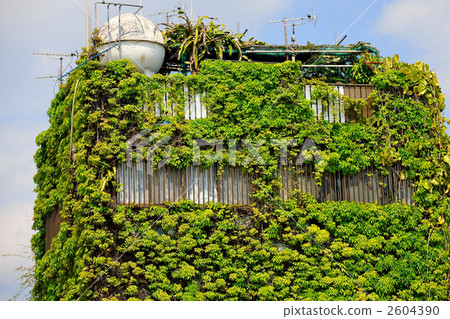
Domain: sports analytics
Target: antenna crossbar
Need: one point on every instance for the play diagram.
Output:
(308, 18)
(287, 20)
(169, 14)
(116, 4)
(47, 77)
(55, 54)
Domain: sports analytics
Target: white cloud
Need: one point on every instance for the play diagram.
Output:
(420, 22)
(425, 27)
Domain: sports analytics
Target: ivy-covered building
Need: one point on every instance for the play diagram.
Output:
(204, 186)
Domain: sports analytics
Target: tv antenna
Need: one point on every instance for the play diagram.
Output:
(170, 13)
(310, 17)
(61, 57)
(120, 5)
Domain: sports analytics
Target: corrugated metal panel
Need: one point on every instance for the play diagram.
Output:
(334, 112)
(195, 183)
(362, 187)
(201, 185)
(194, 108)
(233, 186)
(359, 91)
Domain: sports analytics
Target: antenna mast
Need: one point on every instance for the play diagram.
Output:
(87, 24)
(61, 57)
(295, 21)
(170, 13)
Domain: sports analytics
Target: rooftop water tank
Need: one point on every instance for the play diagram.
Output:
(139, 40)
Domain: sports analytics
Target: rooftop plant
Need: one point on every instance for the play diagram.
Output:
(196, 40)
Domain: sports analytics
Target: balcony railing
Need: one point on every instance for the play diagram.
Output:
(195, 108)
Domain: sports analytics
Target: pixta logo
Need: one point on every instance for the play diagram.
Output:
(309, 150)
(151, 142)
(142, 148)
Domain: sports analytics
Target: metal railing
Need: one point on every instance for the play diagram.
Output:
(234, 186)
(195, 108)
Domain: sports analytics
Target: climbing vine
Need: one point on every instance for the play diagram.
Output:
(275, 250)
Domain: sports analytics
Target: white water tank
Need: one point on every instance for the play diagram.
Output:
(139, 40)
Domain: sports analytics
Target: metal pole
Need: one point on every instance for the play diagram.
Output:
(61, 73)
(293, 41)
(285, 37)
(284, 20)
(335, 36)
(191, 11)
(120, 47)
(109, 29)
(95, 6)
(293, 34)
(345, 36)
(87, 24)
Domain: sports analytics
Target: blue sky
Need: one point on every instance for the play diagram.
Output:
(414, 29)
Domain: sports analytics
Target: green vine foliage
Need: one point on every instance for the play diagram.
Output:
(275, 250)
(363, 70)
